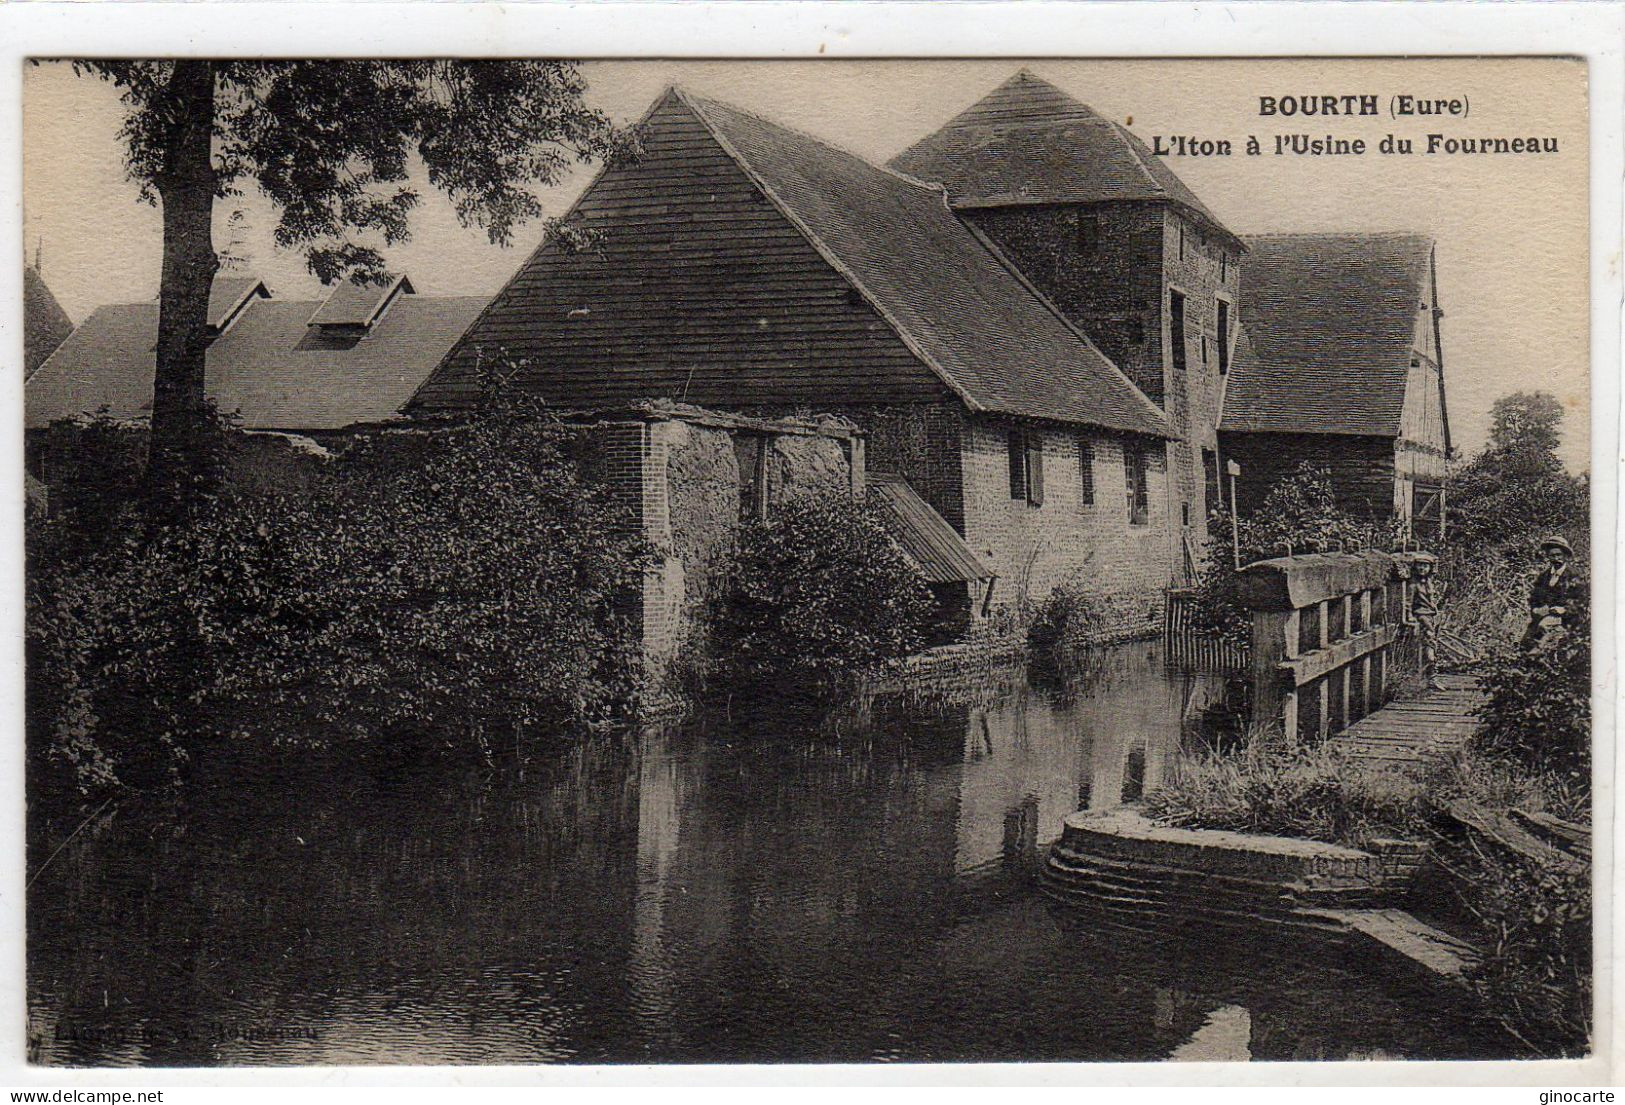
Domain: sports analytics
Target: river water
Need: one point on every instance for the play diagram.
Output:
(716, 891)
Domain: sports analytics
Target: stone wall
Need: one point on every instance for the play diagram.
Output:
(1034, 549)
(689, 479)
(1105, 276)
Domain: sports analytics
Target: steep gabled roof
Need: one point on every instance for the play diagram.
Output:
(992, 338)
(651, 311)
(45, 324)
(262, 366)
(1029, 142)
(1331, 319)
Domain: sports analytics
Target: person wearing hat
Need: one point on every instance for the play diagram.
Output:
(1552, 593)
(1427, 597)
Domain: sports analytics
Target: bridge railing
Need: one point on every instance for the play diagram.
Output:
(1328, 637)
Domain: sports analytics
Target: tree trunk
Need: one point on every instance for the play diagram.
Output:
(179, 454)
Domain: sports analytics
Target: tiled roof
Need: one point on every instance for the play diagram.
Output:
(991, 338)
(1029, 142)
(352, 304)
(927, 538)
(228, 293)
(263, 367)
(1331, 319)
(45, 323)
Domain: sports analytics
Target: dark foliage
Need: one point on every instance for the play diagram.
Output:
(1061, 628)
(1299, 515)
(444, 589)
(821, 594)
(1539, 707)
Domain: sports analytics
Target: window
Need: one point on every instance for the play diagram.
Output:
(1176, 328)
(1224, 337)
(1204, 349)
(1139, 501)
(1089, 234)
(1210, 479)
(1086, 472)
(1026, 450)
(1185, 515)
(1224, 265)
(1181, 243)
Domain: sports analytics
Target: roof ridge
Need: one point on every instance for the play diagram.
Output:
(698, 106)
(700, 102)
(1132, 142)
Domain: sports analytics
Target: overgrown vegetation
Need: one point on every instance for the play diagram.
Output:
(821, 594)
(1300, 514)
(446, 589)
(1318, 792)
(1502, 503)
(1062, 628)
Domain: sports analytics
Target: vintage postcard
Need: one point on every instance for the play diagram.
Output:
(636, 561)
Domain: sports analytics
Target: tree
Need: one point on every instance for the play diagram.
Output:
(1525, 424)
(331, 145)
(1516, 490)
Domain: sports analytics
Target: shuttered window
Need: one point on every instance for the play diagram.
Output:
(1139, 500)
(1026, 452)
(1224, 337)
(1176, 330)
(1086, 472)
(1018, 464)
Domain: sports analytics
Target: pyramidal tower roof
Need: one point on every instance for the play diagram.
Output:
(1028, 142)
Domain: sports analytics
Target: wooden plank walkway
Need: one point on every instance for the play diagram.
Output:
(1435, 723)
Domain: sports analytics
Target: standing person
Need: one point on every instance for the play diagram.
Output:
(1551, 595)
(1427, 596)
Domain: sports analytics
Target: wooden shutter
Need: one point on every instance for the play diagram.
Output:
(1035, 469)
(1018, 464)
(1131, 458)
(1086, 471)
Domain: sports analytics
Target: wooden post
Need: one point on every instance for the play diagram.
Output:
(1275, 638)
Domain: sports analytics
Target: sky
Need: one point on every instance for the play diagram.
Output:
(1511, 231)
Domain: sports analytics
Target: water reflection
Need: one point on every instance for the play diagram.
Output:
(709, 892)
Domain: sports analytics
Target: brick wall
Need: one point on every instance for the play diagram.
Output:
(1111, 269)
(1036, 548)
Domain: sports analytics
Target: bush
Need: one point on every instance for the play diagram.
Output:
(445, 587)
(1319, 793)
(821, 594)
(1539, 707)
(1534, 927)
(1062, 627)
(1300, 513)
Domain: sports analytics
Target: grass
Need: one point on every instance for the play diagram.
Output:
(1532, 923)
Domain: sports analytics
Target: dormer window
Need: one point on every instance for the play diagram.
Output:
(351, 311)
(229, 297)
(351, 304)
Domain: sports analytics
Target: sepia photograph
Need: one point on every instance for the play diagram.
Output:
(637, 561)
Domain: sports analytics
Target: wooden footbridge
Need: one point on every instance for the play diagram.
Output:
(1332, 645)
(1435, 723)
